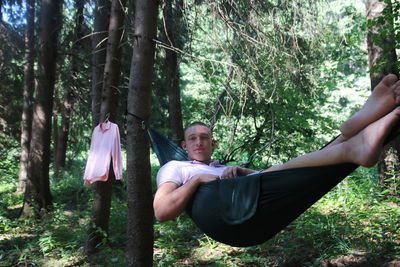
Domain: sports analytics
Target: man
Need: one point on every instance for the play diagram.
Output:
(360, 142)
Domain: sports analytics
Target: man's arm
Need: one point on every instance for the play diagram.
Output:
(234, 171)
(171, 200)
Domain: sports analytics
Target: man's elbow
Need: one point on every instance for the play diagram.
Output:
(162, 219)
(162, 216)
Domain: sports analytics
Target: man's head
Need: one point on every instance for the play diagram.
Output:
(198, 142)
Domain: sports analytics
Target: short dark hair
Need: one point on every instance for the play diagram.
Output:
(195, 124)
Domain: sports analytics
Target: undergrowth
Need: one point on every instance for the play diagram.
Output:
(355, 223)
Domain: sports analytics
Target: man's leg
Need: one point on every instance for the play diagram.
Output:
(383, 99)
(362, 149)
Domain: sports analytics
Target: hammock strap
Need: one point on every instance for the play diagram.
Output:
(141, 121)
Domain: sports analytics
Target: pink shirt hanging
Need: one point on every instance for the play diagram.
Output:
(104, 147)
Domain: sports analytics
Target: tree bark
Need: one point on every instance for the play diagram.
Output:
(29, 87)
(113, 61)
(173, 25)
(56, 111)
(1, 13)
(99, 48)
(37, 193)
(102, 202)
(140, 208)
(382, 61)
(67, 105)
(99, 42)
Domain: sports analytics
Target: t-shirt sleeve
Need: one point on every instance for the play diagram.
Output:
(170, 172)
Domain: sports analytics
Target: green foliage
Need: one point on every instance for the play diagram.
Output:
(260, 75)
(171, 245)
(11, 78)
(74, 79)
(392, 182)
(58, 238)
(9, 159)
(383, 31)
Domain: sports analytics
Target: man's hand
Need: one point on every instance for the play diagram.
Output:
(235, 171)
(204, 177)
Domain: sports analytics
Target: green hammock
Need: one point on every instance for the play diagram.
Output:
(249, 210)
(165, 149)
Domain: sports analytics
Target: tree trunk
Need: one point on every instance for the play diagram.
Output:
(100, 35)
(37, 193)
(113, 61)
(173, 25)
(102, 200)
(99, 48)
(56, 111)
(1, 13)
(29, 87)
(99, 42)
(382, 60)
(66, 108)
(140, 211)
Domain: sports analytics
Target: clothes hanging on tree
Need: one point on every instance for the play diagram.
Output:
(104, 147)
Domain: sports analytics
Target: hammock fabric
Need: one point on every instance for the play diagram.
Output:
(165, 149)
(249, 210)
(281, 196)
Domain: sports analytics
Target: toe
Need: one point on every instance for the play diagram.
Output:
(389, 79)
(396, 90)
(396, 85)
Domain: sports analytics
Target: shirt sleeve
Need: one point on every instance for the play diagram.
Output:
(170, 172)
(116, 155)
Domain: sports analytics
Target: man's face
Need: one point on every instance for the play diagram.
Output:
(199, 143)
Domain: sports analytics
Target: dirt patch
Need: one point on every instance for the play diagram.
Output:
(360, 260)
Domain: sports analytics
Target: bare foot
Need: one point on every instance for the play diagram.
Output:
(383, 99)
(365, 147)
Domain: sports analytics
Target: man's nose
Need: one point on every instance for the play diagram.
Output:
(198, 142)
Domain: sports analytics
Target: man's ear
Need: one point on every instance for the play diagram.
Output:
(213, 143)
(183, 145)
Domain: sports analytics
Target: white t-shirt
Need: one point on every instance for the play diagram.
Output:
(181, 172)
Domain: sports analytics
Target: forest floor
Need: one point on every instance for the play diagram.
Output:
(356, 224)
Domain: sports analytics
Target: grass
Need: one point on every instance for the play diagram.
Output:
(356, 224)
